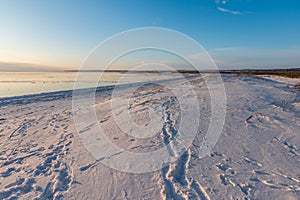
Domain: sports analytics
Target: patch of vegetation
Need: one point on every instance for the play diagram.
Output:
(286, 73)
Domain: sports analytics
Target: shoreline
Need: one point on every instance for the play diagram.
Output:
(293, 73)
(68, 93)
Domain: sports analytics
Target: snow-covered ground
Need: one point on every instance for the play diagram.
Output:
(282, 79)
(256, 156)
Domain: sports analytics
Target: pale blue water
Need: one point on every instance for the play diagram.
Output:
(24, 83)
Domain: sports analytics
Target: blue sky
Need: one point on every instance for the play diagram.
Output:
(237, 33)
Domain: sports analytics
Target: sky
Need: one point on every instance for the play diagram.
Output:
(238, 34)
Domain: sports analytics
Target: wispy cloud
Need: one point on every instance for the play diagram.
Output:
(234, 12)
(242, 58)
(25, 67)
(221, 1)
(221, 4)
(224, 49)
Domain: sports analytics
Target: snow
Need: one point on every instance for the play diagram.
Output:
(282, 79)
(256, 156)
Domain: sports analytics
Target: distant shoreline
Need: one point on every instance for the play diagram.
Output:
(291, 72)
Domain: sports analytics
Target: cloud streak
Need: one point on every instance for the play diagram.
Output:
(229, 11)
(26, 67)
(221, 4)
(243, 58)
(221, 1)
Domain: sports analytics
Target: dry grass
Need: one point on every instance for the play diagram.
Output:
(285, 73)
(291, 73)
